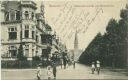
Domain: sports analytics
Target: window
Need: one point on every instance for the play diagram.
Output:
(12, 15)
(45, 53)
(32, 15)
(13, 51)
(17, 15)
(12, 33)
(26, 31)
(37, 40)
(46, 39)
(33, 34)
(26, 26)
(26, 50)
(26, 15)
(32, 52)
(43, 39)
(36, 53)
(26, 46)
(6, 16)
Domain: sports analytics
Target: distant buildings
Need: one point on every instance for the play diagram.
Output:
(21, 25)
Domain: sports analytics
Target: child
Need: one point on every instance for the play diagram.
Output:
(49, 72)
(38, 73)
(93, 67)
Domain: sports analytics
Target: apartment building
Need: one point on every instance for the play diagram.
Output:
(22, 26)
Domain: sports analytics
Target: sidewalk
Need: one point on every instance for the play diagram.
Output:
(18, 69)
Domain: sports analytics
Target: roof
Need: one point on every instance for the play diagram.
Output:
(11, 5)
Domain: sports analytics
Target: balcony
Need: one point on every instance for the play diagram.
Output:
(8, 59)
(11, 22)
(28, 40)
(28, 2)
(44, 46)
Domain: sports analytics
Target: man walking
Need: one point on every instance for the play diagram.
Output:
(74, 64)
(54, 70)
(64, 62)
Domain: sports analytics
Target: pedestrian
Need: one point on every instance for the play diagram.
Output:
(73, 64)
(61, 62)
(67, 60)
(49, 72)
(93, 67)
(54, 70)
(38, 73)
(64, 62)
(49, 62)
(98, 66)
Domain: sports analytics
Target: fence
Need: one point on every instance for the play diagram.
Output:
(22, 64)
(15, 64)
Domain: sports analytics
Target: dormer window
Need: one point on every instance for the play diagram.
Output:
(26, 15)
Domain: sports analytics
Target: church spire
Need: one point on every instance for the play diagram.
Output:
(76, 41)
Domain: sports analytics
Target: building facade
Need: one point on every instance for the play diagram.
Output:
(21, 25)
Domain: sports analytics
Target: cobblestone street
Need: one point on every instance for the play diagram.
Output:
(80, 72)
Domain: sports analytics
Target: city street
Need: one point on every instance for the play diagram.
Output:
(39, 33)
(80, 72)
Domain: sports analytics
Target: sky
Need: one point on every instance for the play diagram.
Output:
(85, 16)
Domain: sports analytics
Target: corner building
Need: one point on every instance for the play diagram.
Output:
(20, 25)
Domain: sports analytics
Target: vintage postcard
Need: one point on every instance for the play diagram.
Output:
(64, 39)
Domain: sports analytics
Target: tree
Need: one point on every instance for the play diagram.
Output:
(92, 52)
(112, 34)
(123, 27)
(110, 48)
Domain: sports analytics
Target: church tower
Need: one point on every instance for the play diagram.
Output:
(76, 48)
(76, 42)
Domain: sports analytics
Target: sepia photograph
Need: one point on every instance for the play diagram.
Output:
(64, 39)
